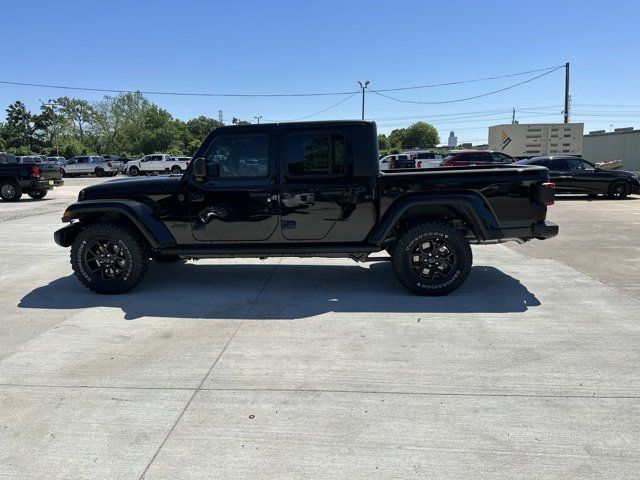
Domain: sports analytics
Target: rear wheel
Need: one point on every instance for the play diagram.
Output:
(432, 259)
(99, 172)
(133, 171)
(109, 258)
(176, 170)
(10, 191)
(37, 194)
(618, 190)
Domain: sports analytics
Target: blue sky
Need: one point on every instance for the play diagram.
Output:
(325, 46)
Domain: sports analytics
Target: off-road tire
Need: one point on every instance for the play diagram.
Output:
(133, 171)
(618, 190)
(10, 191)
(435, 233)
(135, 251)
(37, 194)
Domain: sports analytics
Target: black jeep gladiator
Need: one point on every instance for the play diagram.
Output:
(303, 189)
(33, 179)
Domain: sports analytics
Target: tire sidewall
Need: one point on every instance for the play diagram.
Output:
(453, 240)
(134, 171)
(16, 188)
(121, 237)
(612, 189)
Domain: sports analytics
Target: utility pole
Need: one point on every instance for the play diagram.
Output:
(513, 115)
(363, 88)
(258, 117)
(566, 92)
(220, 116)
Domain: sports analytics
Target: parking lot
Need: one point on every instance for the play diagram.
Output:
(321, 368)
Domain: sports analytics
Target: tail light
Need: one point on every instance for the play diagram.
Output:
(35, 171)
(109, 164)
(419, 164)
(548, 193)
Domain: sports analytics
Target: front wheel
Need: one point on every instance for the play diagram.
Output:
(37, 194)
(109, 258)
(175, 170)
(99, 172)
(133, 171)
(432, 259)
(618, 190)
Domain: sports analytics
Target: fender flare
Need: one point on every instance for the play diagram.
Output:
(469, 206)
(139, 214)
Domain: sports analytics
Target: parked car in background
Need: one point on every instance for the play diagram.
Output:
(88, 165)
(470, 158)
(400, 160)
(18, 177)
(48, 170)
(156, 163)
(60, 161)
(115, 161)
(425, 158)
(576, 175)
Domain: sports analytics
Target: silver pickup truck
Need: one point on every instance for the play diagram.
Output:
(88, 165)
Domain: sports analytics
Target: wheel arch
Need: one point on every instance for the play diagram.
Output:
(138, 216)
(469, 207)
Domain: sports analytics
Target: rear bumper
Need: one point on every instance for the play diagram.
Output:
(44, 184)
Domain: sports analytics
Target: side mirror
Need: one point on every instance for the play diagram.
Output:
(199, 168)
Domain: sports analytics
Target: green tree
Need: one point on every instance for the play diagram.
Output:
(237, 121)
(383, 142)
(421, 135)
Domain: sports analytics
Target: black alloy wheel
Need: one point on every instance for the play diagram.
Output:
(618, 190)
(432, 259)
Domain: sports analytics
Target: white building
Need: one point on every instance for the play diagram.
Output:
(534, 139)
(453, 140)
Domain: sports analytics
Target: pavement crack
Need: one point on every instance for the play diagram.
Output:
(213, 365)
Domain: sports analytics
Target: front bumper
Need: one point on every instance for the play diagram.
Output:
(544, 230)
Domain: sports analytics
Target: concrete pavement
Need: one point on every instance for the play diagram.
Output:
(311, 368)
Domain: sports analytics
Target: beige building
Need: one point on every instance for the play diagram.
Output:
(533, 139)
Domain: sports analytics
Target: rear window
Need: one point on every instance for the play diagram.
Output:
(315, 154)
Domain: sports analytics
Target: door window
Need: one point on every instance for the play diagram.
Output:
(558, 165)
(500, 158)
(244, 156)
(313, 154)
(580, 165)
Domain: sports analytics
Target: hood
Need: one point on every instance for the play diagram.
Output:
(131, 188)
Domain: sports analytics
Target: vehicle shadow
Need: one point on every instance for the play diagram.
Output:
(283, 292)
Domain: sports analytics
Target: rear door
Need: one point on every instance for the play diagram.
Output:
(315, 192)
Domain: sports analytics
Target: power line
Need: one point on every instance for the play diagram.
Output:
(321, 111)
(467, 98)
(183, 94)
(470, 81)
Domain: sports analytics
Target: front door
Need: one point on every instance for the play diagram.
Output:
(314, 190)
(238, 200)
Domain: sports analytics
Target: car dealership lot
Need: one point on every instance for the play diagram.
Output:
(320, 368)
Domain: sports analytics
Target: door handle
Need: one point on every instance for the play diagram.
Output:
(197, 197)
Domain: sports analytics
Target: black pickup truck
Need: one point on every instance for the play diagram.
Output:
(31, 178)
(303, 189)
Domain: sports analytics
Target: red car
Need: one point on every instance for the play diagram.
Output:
(469, 158)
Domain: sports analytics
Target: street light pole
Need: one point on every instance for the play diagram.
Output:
(363, 88)
(258, 117)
